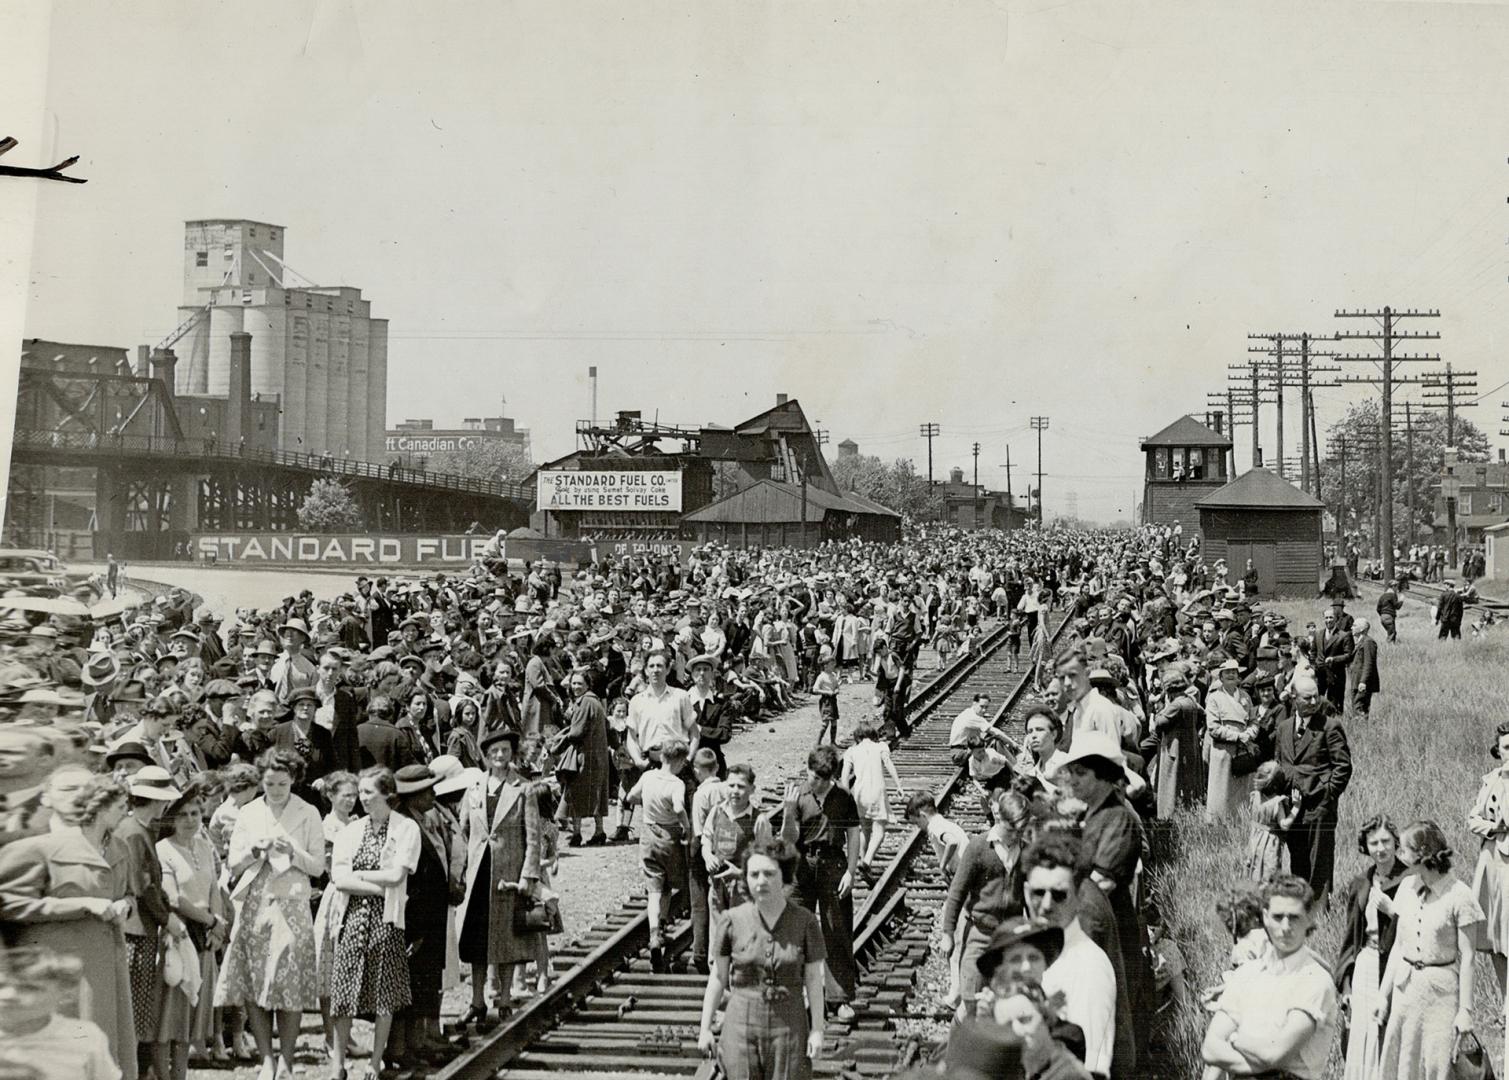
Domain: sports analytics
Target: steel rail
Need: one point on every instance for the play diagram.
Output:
(499, 1048)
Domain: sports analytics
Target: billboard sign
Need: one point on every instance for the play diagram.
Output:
(655, 550)
(609, 489)
(429, 444)
(315, 549)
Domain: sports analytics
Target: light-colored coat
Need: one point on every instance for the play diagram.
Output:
(513, 838)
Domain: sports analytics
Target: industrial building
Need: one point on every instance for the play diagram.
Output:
(414, 441)
(317, 349)
(754, 483)
(974, 506)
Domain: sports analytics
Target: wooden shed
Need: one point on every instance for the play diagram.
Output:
(1262, 517)
(769, 513)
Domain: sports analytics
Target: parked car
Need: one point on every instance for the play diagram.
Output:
(38, 572)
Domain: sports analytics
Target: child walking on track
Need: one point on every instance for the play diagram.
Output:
(866, 764)
(825, 686)
(663, 836)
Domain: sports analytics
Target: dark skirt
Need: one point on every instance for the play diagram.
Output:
(146, 984)
(424, 930)
(371, 972)
(471, 945)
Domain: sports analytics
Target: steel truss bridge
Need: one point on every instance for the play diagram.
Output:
(152, 482)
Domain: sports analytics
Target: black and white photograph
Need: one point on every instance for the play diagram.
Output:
(757, 540)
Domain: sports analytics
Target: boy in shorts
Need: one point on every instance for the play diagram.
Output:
(663, 835)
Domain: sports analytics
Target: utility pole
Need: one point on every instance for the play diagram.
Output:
(976, 451)
(1387, 336)
(929, 432)
(1446, 392)
(1040, 425)
(1409, 471)
(1238, 408)
(1280, 373)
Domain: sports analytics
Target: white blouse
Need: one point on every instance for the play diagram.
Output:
(400, 848)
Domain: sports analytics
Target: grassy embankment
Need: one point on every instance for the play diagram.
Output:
(1420, 754)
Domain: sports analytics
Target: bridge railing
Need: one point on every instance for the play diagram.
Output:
(167, 445)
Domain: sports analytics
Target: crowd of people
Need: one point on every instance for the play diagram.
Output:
(350, 805)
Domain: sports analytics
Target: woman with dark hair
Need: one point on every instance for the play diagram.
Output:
(1040, 758)
(542, 705)
(370, 867)
(765, 954)
(277, 846)
(585, 791)
(1426, 993)
(58, 891)
(1368, 943)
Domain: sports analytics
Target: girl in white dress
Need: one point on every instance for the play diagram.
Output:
(865, 766)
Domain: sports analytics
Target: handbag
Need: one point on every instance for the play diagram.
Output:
(1469, 1061)
(531, 916)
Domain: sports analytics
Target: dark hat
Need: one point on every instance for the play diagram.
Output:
(381, 653)
(187, 635)
(410, 658)
(221, 688)
(127, 751)
(415, 778)
(1041, 934)
(303, 693)
(983, 1050)
(500, 735)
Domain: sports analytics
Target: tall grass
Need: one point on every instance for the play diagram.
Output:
(1420, 754)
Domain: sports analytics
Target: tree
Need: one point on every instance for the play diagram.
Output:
(484, 459)
(1359, 428)
(329, 507)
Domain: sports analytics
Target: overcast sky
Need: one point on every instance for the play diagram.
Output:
(966, 213)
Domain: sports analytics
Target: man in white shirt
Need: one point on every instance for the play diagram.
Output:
(659, 713)
(1277, 1013)
(948, 841)
(1053, 873)
(972, 721)
(1088, 710)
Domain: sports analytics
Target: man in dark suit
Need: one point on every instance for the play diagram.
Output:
(383, 742)
(715, 713)
(1310, 746)
(1363, 673)
(1333, 653)
(1449, 613)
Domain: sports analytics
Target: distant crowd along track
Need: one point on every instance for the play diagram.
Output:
(610, 1015)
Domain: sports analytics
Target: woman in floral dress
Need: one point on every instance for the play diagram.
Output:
(275, 848)
(370, 869)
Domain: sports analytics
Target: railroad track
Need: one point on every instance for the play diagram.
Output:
(611, 1015)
